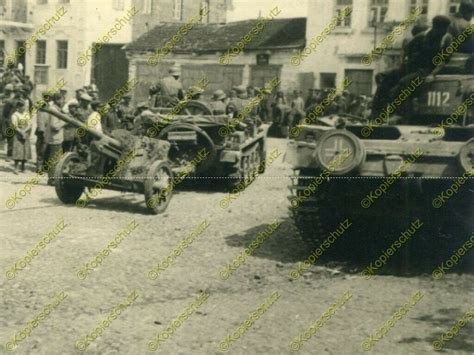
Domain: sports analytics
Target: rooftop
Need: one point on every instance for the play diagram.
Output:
(277, 34)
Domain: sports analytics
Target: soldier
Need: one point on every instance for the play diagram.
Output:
(145, 120)
(218, 102)
(54, 134)
(110, 120)
(94, 120)
(70, 130)
(460, 22)
(297, 108)
(424, 47)
(84, 110)
(7, 96)
(169, 89)
(125, 113)
(40, 132)
(196, 93)
(142, 106)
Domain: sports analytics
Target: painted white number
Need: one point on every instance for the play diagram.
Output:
(438, 98)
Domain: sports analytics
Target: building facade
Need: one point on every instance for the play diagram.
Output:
(15, 26)
(81, 40)
(198, 54)
(155, 12)
(341, 52)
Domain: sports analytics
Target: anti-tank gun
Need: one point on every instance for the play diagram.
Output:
(120, 162)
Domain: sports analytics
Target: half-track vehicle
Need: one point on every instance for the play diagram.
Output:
(231, 153)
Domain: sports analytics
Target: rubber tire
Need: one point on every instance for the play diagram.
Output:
(67, 193)
(149, 188)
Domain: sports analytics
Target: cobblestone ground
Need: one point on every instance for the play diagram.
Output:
(230, 302)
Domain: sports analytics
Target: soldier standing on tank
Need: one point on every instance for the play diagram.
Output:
(423, 48)
(169, 89)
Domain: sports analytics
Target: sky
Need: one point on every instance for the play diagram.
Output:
(249, 9)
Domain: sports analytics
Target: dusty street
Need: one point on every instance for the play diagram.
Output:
(299, 303)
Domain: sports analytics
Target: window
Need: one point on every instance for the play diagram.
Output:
(118, 4)
(423, 4)
(178, 9)
(2, 52)
(205, 4)
(41, 75)
(328, 80)
(62, 55)
(340, 6)
(361, 81)
(147, 7)
(378, 11)
(41, 52)
(453, 6)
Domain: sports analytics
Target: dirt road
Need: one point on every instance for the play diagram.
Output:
(152, 304)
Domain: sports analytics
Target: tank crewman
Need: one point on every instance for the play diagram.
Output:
(169, 90)
(459, 24)
(218, 102)
(125, 113)
(424, 47)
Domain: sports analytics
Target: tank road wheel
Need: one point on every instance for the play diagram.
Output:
(158, 179)
(67, 192)
(314, 216)
(194, 108)
(245, 167)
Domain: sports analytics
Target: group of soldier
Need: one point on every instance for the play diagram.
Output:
(53, 134)
(420, 53)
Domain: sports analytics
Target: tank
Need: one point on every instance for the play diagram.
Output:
(119, 162)
(414, 159)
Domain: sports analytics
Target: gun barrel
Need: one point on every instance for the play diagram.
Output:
(97, 134)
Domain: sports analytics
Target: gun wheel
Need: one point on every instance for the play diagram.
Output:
(159, 177)
(67, 192)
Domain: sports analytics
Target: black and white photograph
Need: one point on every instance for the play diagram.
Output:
(236, 176)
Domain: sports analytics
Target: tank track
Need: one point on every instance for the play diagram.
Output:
(248, 162)
(316, 216)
